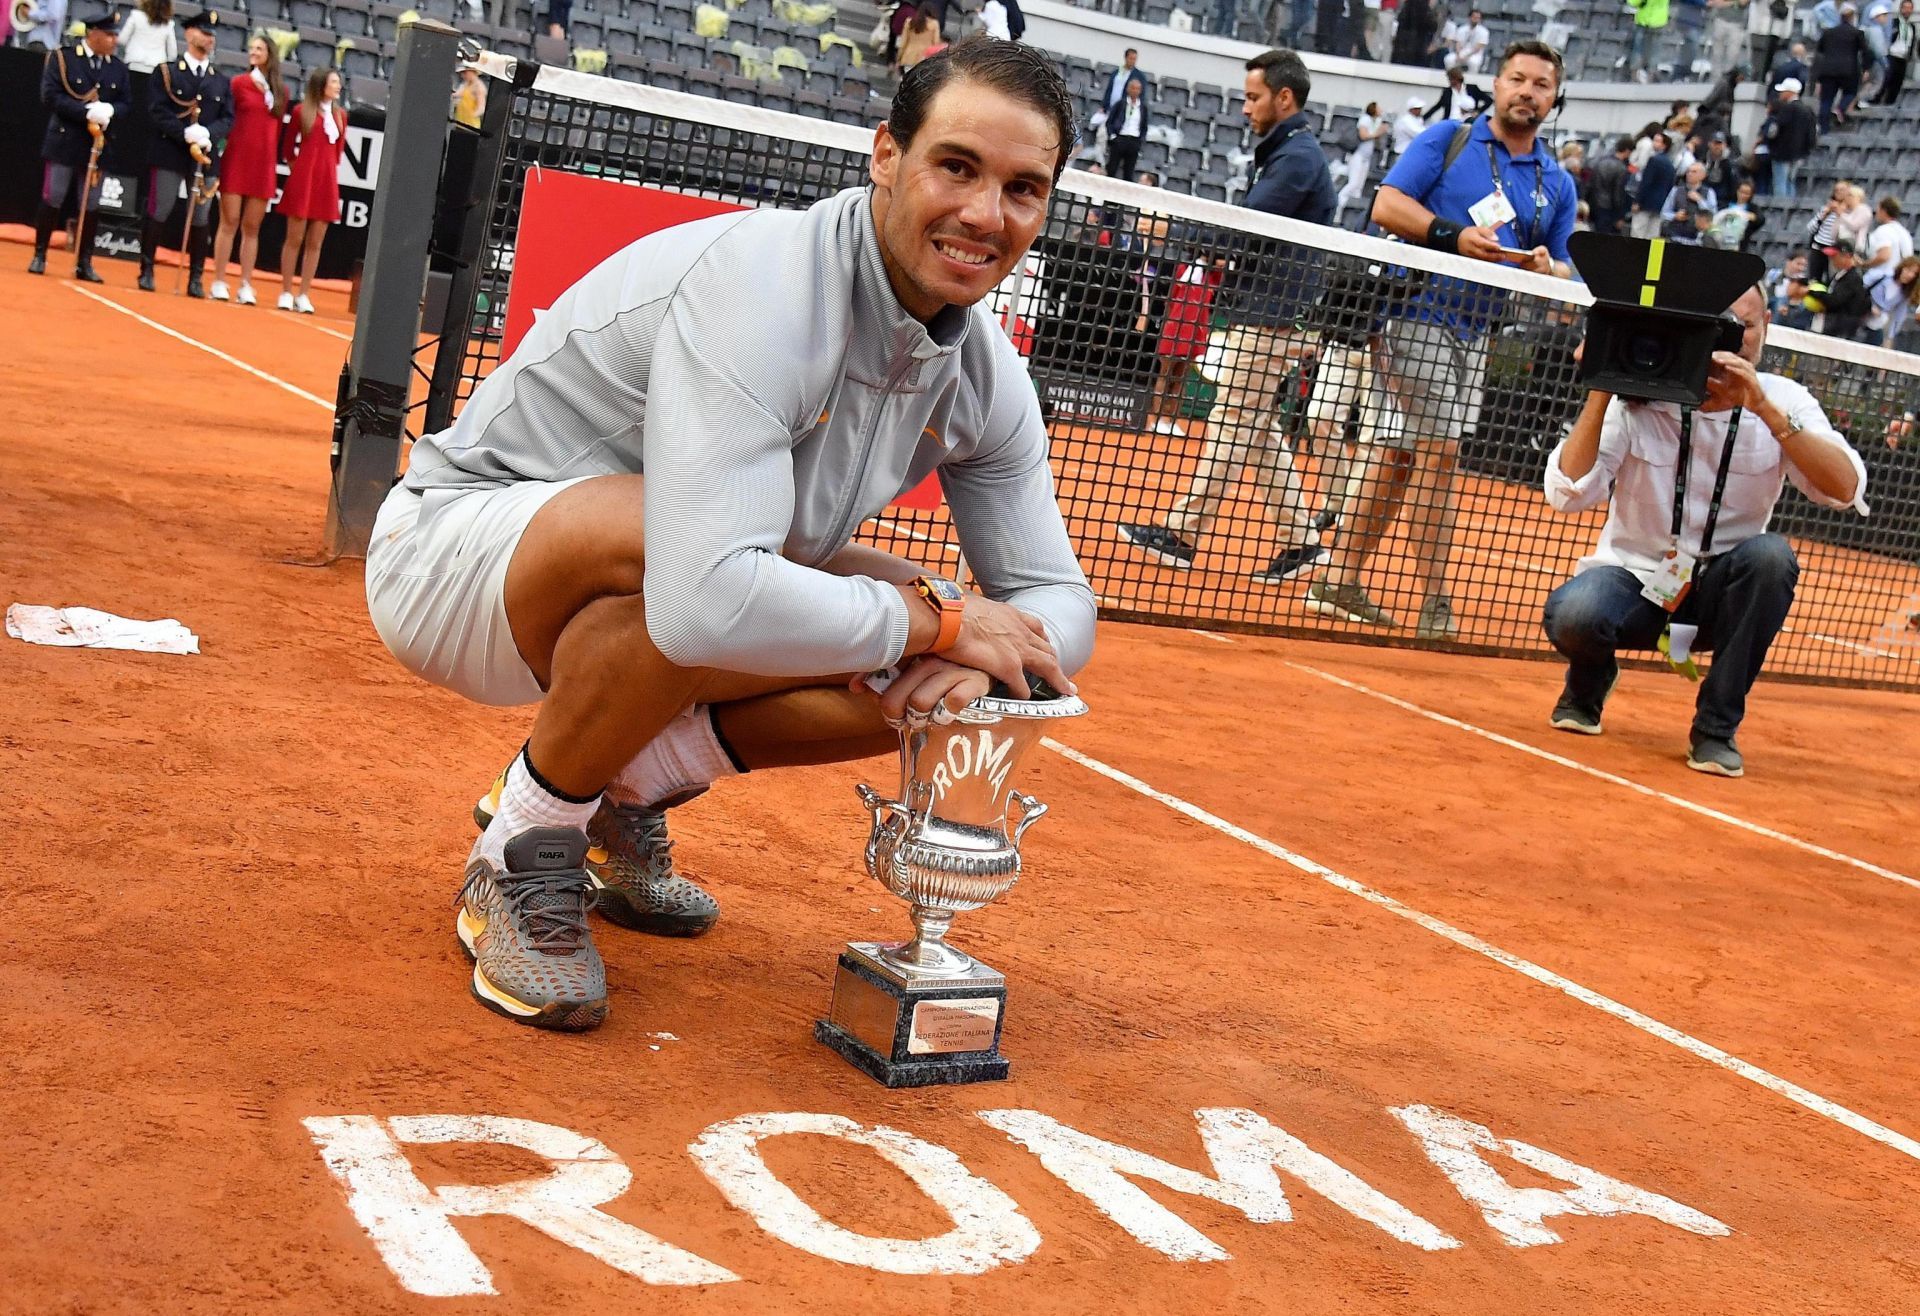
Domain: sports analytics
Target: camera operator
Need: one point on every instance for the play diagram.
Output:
(1685, 555)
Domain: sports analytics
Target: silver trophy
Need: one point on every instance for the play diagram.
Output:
(923, 1011)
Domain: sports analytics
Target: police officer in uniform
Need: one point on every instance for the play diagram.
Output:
(191, 104)
(82, 85)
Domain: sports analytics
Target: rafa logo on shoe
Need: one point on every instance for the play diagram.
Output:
(551, 854)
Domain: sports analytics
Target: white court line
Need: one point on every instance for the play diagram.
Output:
(1693, 1046)
(1675, 800)
(941, 544)
(255, 371)
(1209, 635)
(1525, 564)
(309, 322)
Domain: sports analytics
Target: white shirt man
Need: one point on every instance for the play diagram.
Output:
(1409, 125)
(1467, 43)
(1743, 585)
(1889, 243)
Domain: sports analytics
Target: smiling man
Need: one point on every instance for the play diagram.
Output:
(642, 519)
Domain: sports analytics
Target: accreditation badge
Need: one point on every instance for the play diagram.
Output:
(1671, 580)
(1492, 210)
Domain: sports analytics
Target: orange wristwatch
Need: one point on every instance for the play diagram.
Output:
(947, 599)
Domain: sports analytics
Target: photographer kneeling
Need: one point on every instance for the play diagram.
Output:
(1685, 554)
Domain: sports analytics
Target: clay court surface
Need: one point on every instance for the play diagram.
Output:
(230, 912)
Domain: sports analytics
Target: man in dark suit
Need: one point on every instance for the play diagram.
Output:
(191, 105)
(1127, 75)
(82, 87)
(1126, 129)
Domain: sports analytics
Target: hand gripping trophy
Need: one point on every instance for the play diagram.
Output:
(922, 1011)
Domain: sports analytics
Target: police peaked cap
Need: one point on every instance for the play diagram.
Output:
(204, 20)
(105, 23)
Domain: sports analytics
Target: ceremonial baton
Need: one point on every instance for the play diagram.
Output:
(200, 159)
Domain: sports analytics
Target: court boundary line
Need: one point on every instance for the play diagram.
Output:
(234, 361)
(1678, 802)
(1800, 1096)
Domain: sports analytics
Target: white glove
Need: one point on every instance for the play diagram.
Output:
(100, 112)
(198, 136)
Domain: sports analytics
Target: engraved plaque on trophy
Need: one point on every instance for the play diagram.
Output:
(922, 1011)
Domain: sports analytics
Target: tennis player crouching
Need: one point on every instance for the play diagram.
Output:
(642, 519)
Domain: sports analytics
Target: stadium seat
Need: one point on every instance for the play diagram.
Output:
(689, 50)
(627, 68)
(775, 97)
(842, 110)
(370, 92)
(1208, 102)
(670, 76)
(622, 35)
(810, 103)
(352, 18)
(703, 81)
(386, 20)
(1171, 95)
(656, 45)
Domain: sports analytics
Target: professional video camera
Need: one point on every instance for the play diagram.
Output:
(1659, 313)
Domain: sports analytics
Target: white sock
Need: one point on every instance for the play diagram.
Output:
(685, 755)
(524, 803)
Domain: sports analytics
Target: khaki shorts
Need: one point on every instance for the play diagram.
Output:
(436, 585)
(1436, 380)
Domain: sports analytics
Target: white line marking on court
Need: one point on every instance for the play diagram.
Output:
(892, 524)
(1525, 564)
(1675, 800)
(1693, 1046)
(255, 371)
(1209, 635)
(309, 322)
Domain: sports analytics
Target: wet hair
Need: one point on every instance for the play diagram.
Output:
(1283, 70)
(1534, 50)
(1023, 72)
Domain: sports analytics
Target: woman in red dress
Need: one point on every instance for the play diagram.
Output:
(249, 167)
(315, 136)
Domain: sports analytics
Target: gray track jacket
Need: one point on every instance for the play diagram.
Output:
(759, 369)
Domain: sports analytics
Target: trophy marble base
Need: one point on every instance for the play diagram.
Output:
(914, 1030)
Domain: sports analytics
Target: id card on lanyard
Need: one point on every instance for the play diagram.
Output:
(1496, 208)
(1673, 578)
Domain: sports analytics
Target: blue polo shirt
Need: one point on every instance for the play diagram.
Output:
(1545, 201)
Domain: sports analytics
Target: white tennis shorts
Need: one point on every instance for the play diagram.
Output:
(436, 585)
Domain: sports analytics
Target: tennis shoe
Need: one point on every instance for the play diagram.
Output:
(1436, 620)
(525, 925)
(630, 862)
(1158, 543)
(285, 302)
(1347, 603)
(246, 297)
(1293, 562)
(303, 304)
(218, 290)
(1715, 757)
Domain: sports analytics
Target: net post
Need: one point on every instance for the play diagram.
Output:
(373, 412)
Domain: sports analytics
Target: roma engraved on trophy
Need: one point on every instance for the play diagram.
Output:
(924, 1011)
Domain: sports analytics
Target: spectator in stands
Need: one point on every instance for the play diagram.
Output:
(993, 20)
(1126, 129)
(1649, 21)
(1723, 170)
(1263, 296)
(1717, 109)
(1127, 75)
(1183, 339)
(559, 17)
(1856, 219)
(921, 37)
(1480, 191)
(1691, 193)
(1901, 34)
(1792, 310)
(1411, 123)
(1844, 300)
(1894, 293)
(897, 19)
(1691, 20)
(1824, 16)
(1413, 36)
(1465, 43)
(1610, 192)
(1789, 135)
(315, 137)
(249, 174)
(1840, 56)
(1727, 35)
(1744, 583)
(1573, 159)
(1385, 20)
(1459, 100)
(1736, 224)
(1657, 177)
(1889, 243)
(46, 24)
(1793, 63)
(1329, 16)
(1877, 28)
(1366, 133)
(147, 37)
(469, 99)
(1823, 230)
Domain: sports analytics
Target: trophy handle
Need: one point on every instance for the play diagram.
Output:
(1031, 812)
(877, 804)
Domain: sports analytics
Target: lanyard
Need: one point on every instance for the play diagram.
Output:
(1530, 237)
(1685, 466)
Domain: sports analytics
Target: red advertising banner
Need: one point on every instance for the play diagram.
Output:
(569, 223)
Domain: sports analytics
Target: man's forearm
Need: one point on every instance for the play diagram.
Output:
(1401, 215)
(1824, 464)
(1582, 447)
